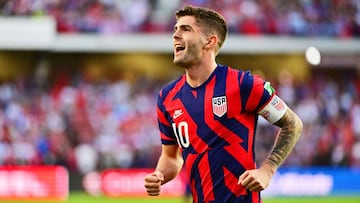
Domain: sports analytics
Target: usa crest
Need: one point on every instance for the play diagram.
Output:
(219, 105)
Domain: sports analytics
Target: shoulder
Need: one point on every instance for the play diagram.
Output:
(244, 77)
(249, 78)
(172, 86)
(228, 71)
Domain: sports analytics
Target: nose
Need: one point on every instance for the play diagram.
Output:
(176, 35)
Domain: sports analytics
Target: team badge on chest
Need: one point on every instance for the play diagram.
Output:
(219, 105)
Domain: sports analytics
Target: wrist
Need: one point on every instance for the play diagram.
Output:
(160, 175)
(269, 167)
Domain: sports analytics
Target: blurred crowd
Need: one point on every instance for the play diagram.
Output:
(329, 106)
(92, 125)
(76, 123)
(312, 18)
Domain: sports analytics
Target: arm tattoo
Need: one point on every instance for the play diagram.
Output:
(291, 129)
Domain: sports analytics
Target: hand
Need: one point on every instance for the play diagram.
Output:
(153, 183)
(256, 180)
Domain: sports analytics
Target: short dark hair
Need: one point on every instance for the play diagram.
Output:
(212, 21)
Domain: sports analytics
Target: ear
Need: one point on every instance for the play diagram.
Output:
(212, 42)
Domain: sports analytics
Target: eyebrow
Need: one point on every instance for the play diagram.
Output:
(182, 27)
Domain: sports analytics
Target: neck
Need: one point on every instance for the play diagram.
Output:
(197, 75)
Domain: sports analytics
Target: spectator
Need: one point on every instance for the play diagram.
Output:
(332, 18)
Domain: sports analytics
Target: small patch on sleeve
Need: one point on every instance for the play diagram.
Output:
(274, 110)
(269, 88)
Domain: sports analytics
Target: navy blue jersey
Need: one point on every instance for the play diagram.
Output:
(214, 125)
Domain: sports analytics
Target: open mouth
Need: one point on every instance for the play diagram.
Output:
(179, 48)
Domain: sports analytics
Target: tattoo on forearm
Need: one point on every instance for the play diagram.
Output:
(291, 128)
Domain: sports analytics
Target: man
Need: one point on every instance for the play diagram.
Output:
(210, 113)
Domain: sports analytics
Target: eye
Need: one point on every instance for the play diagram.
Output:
(186, 28)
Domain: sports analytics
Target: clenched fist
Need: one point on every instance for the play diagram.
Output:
(153, 183)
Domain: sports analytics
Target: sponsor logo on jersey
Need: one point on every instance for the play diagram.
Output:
(219, 105)
(177, 113)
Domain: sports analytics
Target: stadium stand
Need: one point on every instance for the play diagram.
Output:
(49, 118)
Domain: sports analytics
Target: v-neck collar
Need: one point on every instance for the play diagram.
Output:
(204, 83)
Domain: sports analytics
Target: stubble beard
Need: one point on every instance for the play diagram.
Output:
(182, 62)
(190, 57)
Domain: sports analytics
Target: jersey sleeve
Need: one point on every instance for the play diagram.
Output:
(255, 92)
(274, 110)
(166, 133)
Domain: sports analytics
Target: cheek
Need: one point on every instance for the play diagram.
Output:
(194, 49)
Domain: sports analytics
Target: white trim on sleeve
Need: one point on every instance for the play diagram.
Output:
(274, 110)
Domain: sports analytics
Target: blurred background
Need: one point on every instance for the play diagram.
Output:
(79, 81)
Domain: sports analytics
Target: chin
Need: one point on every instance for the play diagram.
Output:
(178, 62)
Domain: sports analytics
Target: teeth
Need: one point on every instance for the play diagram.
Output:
(179, 47)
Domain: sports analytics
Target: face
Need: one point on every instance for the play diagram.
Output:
(188, 41)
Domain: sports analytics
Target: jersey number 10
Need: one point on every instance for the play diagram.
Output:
(182, 134)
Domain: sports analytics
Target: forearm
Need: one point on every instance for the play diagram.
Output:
(290, 131)
(169, 167)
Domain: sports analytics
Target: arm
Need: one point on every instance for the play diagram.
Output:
(168, 166)
(170, 162)
(290, 131)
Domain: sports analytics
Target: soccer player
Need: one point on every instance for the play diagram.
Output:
(210, 113)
